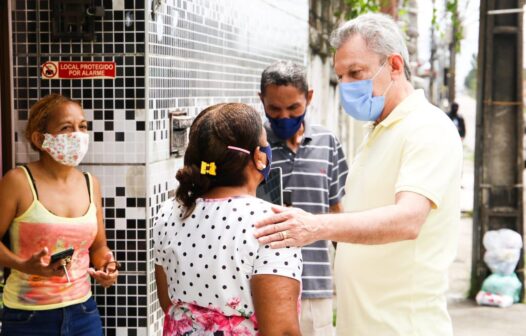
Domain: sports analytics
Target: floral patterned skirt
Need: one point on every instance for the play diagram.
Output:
(184, 319)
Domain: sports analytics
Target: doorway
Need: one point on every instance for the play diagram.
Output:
(6, 90)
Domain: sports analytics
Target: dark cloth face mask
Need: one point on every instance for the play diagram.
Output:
(285, 128)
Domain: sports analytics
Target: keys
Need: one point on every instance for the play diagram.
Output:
(66, 271)
(64, 263)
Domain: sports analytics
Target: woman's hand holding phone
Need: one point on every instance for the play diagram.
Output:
(36, 266)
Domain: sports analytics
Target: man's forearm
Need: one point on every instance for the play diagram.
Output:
(376, 226)
(392, 223)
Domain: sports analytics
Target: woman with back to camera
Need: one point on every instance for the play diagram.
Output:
(49, 206)
(213, 278)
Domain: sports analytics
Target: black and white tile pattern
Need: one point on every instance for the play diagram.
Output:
(190, 54)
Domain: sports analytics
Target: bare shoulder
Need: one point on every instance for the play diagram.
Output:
(13, 180)
(14, 186)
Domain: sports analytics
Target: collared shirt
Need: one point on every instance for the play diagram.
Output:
(399, 288)
(316, 175)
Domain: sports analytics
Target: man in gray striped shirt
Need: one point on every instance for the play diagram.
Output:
(314, 170)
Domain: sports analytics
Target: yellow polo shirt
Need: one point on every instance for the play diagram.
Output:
(399, 288)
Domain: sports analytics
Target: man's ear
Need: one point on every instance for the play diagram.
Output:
(396, 61)
(37, 139)
(261, 98)
(310, 93)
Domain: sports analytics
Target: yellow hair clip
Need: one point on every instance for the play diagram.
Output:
(208, 168)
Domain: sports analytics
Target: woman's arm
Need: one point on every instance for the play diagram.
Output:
(8, 207)
(100, 254)
(162, 288)
(276, 303)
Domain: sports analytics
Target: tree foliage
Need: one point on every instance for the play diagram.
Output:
(470, 82)
(359, 7)
(458, 30)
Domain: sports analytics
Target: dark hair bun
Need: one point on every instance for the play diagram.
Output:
(192, 185)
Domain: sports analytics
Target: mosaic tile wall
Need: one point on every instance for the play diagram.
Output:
(205, 52)
(179, 56)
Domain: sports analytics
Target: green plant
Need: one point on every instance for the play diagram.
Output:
(470, 82)
(434, 17)
(456, 23)
(359, 7)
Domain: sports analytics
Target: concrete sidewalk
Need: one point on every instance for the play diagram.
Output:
(469, 319)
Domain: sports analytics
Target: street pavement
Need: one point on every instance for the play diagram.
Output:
(469, 319)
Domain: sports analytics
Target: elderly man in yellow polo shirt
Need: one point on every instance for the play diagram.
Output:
(400, 236)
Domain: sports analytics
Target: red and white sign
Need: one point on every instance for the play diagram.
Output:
(78, 70)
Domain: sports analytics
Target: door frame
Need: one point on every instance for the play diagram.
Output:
(7, 156)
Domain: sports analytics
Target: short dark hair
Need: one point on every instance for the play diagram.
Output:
(285, 73)
(454, 107)
(213, 130)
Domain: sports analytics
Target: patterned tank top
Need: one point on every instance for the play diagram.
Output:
(37, 228)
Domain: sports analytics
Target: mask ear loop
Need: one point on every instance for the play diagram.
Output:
(388, 87)
(376, 74)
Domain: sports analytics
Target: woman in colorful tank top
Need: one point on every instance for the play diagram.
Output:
(49, 206)
(213, 278)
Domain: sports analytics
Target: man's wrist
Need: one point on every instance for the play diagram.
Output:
(322, 227)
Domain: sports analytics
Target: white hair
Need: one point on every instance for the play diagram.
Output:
(380, 33)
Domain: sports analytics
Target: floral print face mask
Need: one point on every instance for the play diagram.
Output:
(68, 148)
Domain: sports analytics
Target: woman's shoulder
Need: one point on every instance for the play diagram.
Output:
(14, 175)
(251, 207)
(252, 203)
(166, 212)
(14, 180)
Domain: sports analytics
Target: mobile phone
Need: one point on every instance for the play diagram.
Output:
(271, 189)
(287, 197)
(62, 255)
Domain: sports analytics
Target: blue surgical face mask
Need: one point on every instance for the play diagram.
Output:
(268, 151)
(285, 128)
(358, 101)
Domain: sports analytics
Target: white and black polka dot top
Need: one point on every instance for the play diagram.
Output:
(210, 256)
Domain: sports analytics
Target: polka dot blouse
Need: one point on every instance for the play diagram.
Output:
(209, 259)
